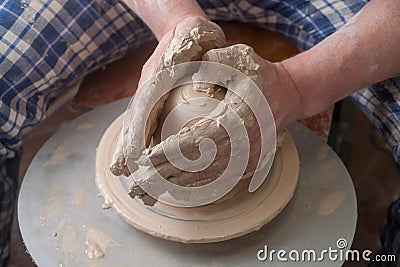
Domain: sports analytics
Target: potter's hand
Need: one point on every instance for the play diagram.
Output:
(176, 45)
(274, 83)
(187, 41)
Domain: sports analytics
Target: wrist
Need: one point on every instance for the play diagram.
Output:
(163, 16)
(182, 19)
(282, 94)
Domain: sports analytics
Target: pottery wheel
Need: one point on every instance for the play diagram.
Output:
(58, 208)
(236, 214)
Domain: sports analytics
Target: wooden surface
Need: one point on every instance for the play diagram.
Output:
(119, 79)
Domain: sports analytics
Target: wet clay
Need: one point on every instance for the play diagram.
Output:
(189, 103)
(69, 242)
(60, 154)
(96, 243)
(331, 202)
(240, 57)
(79, 195)
(61, 224)
(85, 126)
(239, 213)
(52, 209)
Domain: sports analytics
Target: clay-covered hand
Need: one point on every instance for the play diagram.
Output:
(271, 79)
(187, 41)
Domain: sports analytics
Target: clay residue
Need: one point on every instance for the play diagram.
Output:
(79, 195)
(107, 203)
(191, 45)
(137, 191)
(69, 242)
(331, 202)
(96, 243)
(83, 126)
(61, 224)
(60, 154)
(323, 152)
(240, 57)
(210, 90)
(52, 208)
(186, 105)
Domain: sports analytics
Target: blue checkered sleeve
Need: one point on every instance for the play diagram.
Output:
(44, 47)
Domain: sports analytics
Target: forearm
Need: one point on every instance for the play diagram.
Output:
(363, 52)
(163, 15)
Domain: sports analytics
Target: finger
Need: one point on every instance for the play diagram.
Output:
(241, 57)
(118, 165)
(244, 59)
(182, 45)
(181, 177)
(151, 67)
(189, 139)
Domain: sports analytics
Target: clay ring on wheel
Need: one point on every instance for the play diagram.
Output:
(237, 214)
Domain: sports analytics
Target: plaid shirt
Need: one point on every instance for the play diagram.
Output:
(47, 45)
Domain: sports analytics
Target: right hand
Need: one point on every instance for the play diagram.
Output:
(132, 136)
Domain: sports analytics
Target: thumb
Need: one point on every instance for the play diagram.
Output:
(152, 65)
